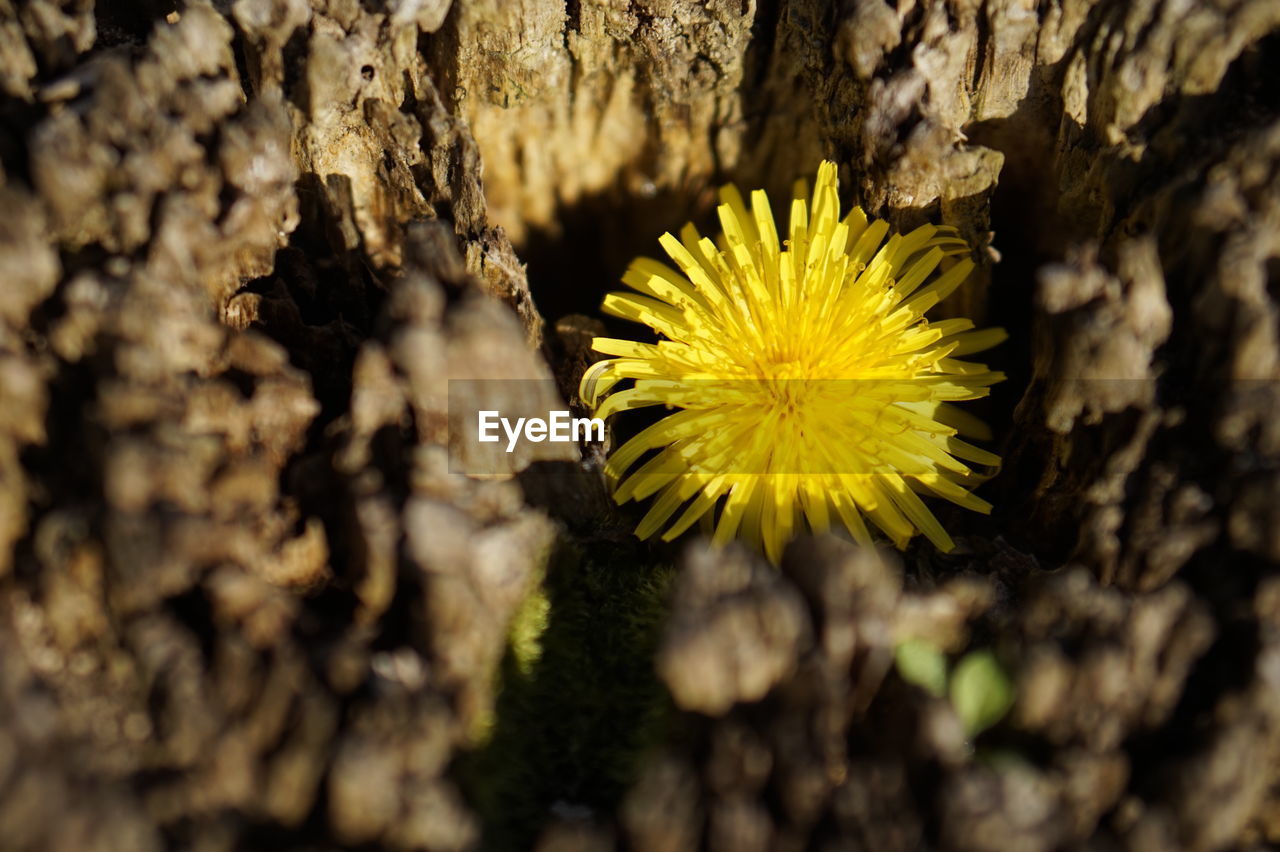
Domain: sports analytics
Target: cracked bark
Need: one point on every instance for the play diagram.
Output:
(245, 245)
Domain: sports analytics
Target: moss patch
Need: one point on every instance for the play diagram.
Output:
(578, 701)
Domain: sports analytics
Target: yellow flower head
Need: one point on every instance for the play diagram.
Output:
(806, 381)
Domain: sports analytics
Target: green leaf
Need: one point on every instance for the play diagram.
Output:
(923, 665)
(981, 692)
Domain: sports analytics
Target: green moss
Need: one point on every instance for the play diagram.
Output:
(578, 700)
(527, 627)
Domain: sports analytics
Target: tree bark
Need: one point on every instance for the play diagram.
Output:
(246, 246)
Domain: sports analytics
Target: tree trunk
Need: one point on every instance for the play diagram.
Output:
(246, 247)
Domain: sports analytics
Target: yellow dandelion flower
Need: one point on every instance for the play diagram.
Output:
(806, 383)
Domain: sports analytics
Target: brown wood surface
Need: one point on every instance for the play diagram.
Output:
(245, 245)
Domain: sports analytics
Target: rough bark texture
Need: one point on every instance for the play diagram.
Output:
(244, 603)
